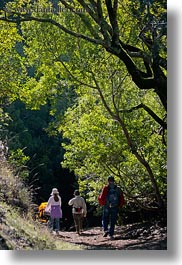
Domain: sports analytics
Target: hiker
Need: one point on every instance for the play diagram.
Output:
(79, 210)
(54, 208)
(111, 198)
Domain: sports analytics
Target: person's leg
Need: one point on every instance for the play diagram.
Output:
(79, 223)
(57, 224)
(76, 221)
(105, 220)
(113, 219)
(51, 224)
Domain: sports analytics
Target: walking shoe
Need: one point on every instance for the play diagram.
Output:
(105, 234)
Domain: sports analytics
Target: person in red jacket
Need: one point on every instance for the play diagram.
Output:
(111, 198)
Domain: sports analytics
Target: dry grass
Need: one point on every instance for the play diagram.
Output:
(18, 231)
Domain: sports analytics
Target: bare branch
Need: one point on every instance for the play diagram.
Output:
(112, 12)
(75, 78)
(149, 111)
(53, 22)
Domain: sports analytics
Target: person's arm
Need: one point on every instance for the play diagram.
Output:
(121, 198)
(48, 206)
(103, 195)
(71, 202)
(60, 201)
(84, 206)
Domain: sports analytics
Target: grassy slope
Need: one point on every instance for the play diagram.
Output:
(18, 231)
(21, 233)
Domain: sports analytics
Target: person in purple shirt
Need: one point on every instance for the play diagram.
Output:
(54, 208)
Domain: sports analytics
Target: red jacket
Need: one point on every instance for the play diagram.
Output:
(103, 195)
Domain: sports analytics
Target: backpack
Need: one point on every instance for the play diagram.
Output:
(113, 196)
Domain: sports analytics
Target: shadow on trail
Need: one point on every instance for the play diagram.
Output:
(125, 238)
(100, 247)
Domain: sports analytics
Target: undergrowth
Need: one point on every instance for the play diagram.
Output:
(18, 230)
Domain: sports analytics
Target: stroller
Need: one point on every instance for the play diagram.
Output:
(43, 216)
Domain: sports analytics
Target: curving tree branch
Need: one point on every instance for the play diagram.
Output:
(150, 112)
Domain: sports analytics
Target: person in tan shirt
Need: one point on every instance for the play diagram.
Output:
(79, 210)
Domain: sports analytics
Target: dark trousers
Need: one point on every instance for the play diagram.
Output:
(78, 220)
(109, 218)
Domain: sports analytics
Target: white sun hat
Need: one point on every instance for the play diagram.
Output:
(54, 191)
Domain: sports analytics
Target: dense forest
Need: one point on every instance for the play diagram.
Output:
(83, 95)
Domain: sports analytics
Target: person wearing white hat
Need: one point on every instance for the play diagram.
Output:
(54, 208)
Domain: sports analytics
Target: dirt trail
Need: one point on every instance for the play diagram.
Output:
(139, 236)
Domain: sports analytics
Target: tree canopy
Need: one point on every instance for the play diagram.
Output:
(135, 32)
